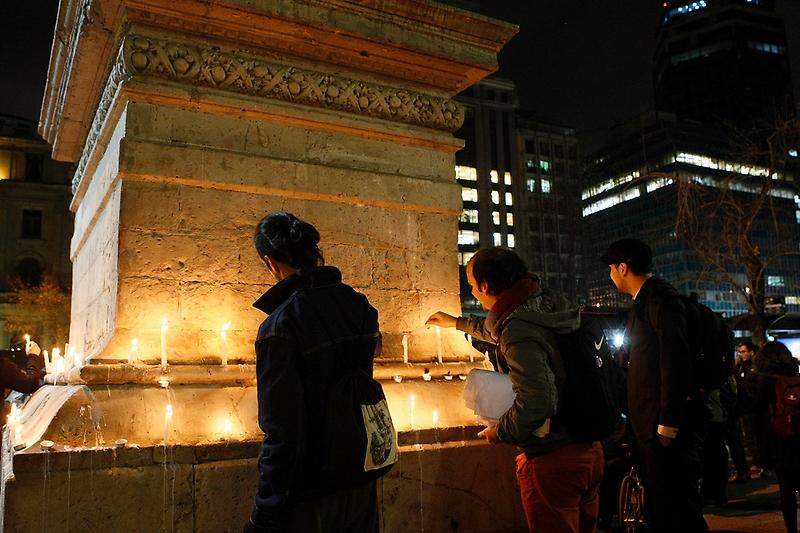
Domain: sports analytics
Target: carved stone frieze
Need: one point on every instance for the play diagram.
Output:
(210, 67)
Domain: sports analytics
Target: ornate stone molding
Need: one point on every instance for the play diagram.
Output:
(119, 73)
(209, 67)
(204, 66)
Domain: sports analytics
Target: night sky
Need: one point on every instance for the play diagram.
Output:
(578, 63)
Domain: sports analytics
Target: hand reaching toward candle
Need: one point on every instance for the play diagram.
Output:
(442, 320)
(490, 434)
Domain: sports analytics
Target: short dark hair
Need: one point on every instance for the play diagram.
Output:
(499, 267)
(747, 344)
(633, 252)
(285, 238)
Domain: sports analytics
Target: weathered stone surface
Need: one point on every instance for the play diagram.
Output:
(465, 486)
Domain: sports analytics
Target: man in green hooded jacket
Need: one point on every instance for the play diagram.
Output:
(558, 476)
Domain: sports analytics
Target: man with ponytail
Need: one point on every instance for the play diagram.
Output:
(318, 329)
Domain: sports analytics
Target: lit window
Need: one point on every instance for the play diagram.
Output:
(5, 164)
(545, 186)
(496, 218)
(470, 215)
(776, 281)
(495, 197)
(468, 194)
(466, 173)
(544, 166)
(792, 300)
(507, 178)
(792, 153)
(530, 164)
(509, 199)
(498, 239)
(658, 183)
(510, 240)
(509, 219)
(464, 257)
(531, 185)
(493, 176)
(608, 185)
(610, 201)
(468, 236)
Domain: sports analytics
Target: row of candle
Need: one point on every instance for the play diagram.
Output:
(438, 330)
(133, 355)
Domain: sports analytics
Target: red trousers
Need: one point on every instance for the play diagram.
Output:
(560, 489)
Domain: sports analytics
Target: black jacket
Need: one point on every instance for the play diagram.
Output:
(660, 368)
(315, 322)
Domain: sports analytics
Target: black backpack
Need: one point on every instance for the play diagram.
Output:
(359, 439)
(711, 342)
(590, 406)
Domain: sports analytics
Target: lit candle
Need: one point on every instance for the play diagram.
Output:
(405, 348)
(167, 421)
(27, 342)
(132, 356)
(48, 366)
(164, 345)
(435, 417)
(227, 426)
(58, 361)
(439, 344)
(223, 333)
(412, 407)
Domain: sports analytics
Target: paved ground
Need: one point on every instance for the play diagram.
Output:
(752, 508)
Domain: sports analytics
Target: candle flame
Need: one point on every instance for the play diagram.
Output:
(168, 411)
(227, 426)
(224, 330)
(435, 416)
(134, 345)
(56, 352)
(164, 324)
(27, 338)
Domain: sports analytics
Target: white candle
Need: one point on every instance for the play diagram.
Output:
(58, 361)
(435, 417)
(48, 366)
(164, 344)
(223, 333)
(405, 348)
(439, 344)
(133, 355)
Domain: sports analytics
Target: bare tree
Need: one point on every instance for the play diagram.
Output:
(727, 220)
(43, 310)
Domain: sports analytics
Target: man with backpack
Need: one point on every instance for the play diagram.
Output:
(559, 474)
(665, 418)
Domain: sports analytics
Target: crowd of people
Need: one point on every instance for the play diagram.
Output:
(314, 363)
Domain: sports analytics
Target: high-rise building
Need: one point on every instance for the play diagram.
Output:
(485, 169)
(723, 62)
(520, 188)
(632, 191)
(35, 222)
(549, 235)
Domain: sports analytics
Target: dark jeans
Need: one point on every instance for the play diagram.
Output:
(789, 484)
(733, 437)
(352, 510)
(715, 463)
(670, 476)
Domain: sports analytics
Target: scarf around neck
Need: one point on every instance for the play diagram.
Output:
(509, 300)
